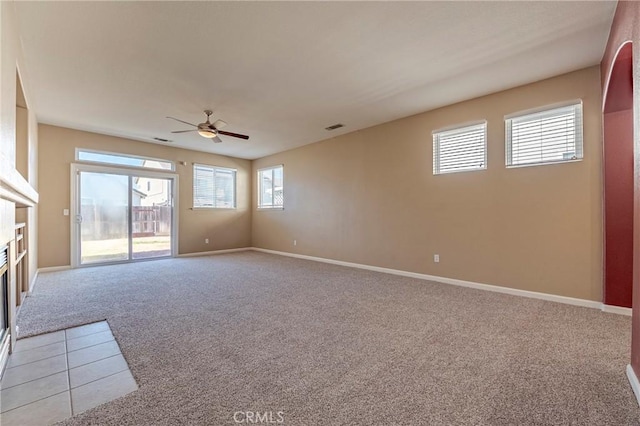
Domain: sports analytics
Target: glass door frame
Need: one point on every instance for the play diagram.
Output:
(130, 172)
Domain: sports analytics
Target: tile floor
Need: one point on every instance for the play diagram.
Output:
(56, 375)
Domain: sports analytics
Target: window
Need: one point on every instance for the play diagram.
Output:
(214, 187)
(460, 149)
(270, 183)
(545, 136)
(123, 160)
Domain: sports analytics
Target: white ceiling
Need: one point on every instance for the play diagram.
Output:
(283, 71)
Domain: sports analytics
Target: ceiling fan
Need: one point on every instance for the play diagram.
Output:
(209, 130)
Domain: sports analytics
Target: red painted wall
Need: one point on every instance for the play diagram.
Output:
(618, 211)
(620, 89)
(618, 181)
(625, 27)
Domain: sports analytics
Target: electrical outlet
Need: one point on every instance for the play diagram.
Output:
(206, 241)
(295, 242)
(436, 258)
(65, 212)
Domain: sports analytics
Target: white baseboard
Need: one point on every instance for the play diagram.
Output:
(209, 253)
(53, 269)
(32, 284)
(633, 380)
(469, 284)
(616, 310)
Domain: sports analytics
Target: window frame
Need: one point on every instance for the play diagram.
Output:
(259, 187)
(458, 128)
(214, 168)
(545, 110)
(124, 155)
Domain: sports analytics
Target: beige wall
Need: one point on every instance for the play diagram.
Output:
(225, 228)
(17, 187)
(22, 141)
(370, 197)
(32, 212)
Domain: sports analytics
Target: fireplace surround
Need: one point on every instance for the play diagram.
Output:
(4, 293)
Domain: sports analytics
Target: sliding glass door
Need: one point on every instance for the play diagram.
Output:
(122, 216)
(103, 218)
(151, 217)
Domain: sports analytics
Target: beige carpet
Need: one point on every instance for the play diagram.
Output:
(328, 345)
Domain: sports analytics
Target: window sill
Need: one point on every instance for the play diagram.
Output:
(546, 163)
(479, 169)
(213, 208)
(270, 208)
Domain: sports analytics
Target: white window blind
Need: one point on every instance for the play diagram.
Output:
(214, 187)
(271, 188)
(460, 149)
(549, 136)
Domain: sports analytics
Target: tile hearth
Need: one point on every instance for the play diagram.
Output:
(57, 375)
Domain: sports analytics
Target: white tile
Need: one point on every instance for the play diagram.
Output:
(84, 330)
(34, 390)
(92, 353)
(88, 340)
(43, 412)
(36, 354)
(102, 391)
(97, 370)
(35, 370)
(41, 340)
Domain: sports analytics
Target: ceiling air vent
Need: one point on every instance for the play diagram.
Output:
(335, 126)
(161, 140)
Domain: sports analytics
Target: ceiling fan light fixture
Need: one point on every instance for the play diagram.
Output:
(208, 130)
(205, 133)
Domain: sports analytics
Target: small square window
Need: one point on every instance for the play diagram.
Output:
(214, 187)
(270, 188)
(460, 149)
(547, 136)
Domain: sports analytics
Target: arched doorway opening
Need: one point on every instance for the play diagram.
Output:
(619, 180)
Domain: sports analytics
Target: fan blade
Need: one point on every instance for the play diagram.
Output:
(235, 135)
(182, 121)
(185, 131)
(216, 140)
(219, 124)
